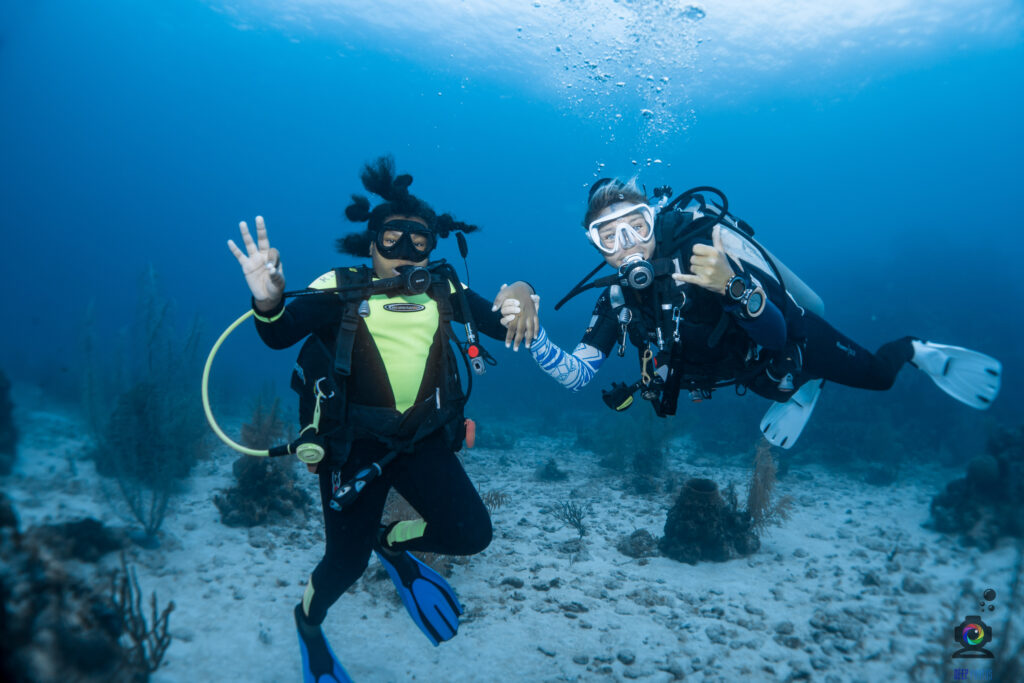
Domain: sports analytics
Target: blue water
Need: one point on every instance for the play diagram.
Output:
(141, 133)
(876, 150)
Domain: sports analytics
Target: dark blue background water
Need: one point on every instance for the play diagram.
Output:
(141, 133)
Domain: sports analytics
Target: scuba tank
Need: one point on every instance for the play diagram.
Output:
(691, 215)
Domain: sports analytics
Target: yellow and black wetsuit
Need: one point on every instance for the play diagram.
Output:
(396, 361)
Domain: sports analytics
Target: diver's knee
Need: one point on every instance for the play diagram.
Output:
(477, 536)
(342, 568)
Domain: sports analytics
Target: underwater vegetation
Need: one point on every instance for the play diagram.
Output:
(63, 622)
(149, 639)
(988, 503)
(704, 525)
(8, 432)
(494, 500)
(763, 508)
(572, 514)
(155, 433)
(550, 471)
(265, 488)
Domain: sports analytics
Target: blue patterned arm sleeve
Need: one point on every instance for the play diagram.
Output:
(573, 371)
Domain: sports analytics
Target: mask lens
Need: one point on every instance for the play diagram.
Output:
(607, 235)
(622, 229)
(390, 238)
(420, 241)
(401, 239)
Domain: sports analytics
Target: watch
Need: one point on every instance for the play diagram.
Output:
(754, 302)
(736, 287)
(748, 294)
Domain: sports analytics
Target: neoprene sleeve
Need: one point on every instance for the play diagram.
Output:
(767, 329)
(573, 371)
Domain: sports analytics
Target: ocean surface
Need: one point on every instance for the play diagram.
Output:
(875, 147)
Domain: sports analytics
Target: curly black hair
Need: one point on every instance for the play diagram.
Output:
(379, 178)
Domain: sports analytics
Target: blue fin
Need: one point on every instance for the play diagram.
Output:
(319, 665)
(427, 597)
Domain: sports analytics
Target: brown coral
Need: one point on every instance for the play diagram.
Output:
(762, 509)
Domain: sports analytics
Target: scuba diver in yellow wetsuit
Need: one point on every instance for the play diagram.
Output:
(706, 306)
(381, 401)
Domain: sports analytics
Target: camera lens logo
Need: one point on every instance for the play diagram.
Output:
(973, 634)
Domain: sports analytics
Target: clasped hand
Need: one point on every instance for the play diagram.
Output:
(519, 307)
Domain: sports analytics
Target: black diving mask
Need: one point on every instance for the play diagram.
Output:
(403, 240)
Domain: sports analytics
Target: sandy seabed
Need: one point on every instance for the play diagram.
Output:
(851, 588)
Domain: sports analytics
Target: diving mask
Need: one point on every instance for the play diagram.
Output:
(405, 240)
(631, 225)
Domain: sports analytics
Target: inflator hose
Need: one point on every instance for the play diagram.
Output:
(206, 392)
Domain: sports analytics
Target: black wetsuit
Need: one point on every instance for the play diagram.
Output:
(717, 344)
(430, 478)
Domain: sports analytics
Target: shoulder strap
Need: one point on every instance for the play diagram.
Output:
(349, 319)
(441, 291)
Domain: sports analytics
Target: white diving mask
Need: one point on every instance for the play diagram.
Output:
(621, 230)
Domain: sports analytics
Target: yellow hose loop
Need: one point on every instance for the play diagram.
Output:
(206, 392)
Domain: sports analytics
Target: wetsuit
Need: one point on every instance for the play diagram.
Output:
(396, 361)
(717, 343)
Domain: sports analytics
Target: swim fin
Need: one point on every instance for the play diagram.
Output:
(968, 376)
(784, 422)
(427, 597)
(319, 665)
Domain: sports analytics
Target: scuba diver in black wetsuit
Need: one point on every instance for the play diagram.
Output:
(381, 401)
(706, 306)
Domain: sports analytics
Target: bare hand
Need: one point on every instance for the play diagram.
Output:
(261, 265)
(709, 265)
(519, 307)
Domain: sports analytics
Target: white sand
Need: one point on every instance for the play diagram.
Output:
(608, 617)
